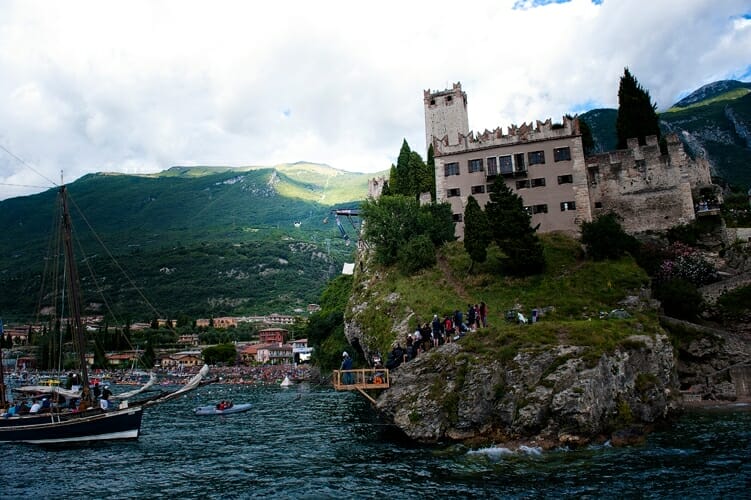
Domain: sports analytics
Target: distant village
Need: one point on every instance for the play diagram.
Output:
(273, 346)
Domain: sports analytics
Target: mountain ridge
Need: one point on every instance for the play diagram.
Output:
(241, 240)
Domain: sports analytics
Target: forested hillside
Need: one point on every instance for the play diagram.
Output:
(196, 241)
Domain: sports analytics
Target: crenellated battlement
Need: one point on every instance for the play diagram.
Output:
(516, 134)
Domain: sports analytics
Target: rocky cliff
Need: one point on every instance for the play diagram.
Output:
(543, 396)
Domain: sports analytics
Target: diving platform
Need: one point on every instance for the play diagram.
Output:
(361, 380)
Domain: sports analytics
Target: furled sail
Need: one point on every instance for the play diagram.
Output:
(130, 394)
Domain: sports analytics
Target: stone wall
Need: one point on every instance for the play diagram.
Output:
(648, 189)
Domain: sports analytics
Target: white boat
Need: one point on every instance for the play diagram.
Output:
(286, 382)
(218, 410)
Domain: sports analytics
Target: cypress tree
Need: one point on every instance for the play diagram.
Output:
(476, 232)
(510, 228)
(588, 142)
(637, 116)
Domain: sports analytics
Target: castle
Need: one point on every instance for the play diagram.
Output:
(545, 165)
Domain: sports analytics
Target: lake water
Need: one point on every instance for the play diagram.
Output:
(312, 442)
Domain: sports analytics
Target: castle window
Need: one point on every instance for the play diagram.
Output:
(641, 164)
(451, 169)
(432, 102)
(492, 166)
(522, 184)
(519, 163)
(536, 209)
(506, 164)
(598, 204)
(567, 205)
(478, 189)
(539, 182)
(565, 179)
(536, 157)
(457, 217)
(562, 154)
(453, 192)
(475, 165)
(449, 98)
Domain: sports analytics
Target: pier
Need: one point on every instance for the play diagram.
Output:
(361, 380)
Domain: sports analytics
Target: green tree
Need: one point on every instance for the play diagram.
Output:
(223, 353)
(437, 221)
(418, 253)
(637, 115)
(588, 142)
(680, 299)
(400, 178)
(430, 170)
(604, 238)
(390, 221)
(100, 358)
(476, 232)
(325, 328)
(148, 358)
(510, 229)
(411, 176)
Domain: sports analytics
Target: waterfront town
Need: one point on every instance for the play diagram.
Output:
(269, 358)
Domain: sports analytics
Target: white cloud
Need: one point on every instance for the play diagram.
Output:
(142, 85)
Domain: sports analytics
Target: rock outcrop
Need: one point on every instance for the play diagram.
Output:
(543, 396)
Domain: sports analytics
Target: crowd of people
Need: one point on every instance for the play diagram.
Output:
(439, 331)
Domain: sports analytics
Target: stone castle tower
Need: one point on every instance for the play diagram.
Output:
(445, 114)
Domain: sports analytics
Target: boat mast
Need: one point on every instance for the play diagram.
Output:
(3, 400)
(74, 296)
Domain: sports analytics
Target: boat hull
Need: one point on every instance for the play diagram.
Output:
(50, 429)
(212, 410)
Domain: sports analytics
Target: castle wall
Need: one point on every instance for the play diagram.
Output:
(649, 190)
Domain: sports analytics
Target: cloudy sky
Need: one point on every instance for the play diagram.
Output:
(139, 86)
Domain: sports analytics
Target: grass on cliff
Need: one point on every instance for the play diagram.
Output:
(570, 296)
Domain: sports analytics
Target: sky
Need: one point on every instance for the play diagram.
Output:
(139, 86)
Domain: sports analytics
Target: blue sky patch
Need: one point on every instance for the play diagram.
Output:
(588, 105)
(531, 4)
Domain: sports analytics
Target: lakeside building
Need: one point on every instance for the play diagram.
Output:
(545, 165)
(272, 336)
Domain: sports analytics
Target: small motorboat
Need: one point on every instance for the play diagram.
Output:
(222, 408)
(286, 382)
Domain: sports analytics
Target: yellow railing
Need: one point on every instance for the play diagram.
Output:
(361, 378)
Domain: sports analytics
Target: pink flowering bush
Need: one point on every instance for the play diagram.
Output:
(685, 263)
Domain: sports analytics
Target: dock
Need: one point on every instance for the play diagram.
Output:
(361, 380)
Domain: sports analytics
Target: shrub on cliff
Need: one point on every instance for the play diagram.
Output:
(680, 299)
(604, 238)
(418, 253)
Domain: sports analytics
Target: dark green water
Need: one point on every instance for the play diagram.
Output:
(311, 442)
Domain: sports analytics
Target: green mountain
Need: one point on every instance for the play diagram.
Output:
(198, 241)
(713, 122)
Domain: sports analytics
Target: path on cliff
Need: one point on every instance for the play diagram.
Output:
(456, 284)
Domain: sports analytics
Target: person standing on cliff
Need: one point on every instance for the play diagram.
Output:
(483, 314)
(346, 365)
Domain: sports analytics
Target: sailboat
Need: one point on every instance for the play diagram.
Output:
(89, 421)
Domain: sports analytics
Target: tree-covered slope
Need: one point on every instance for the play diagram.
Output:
(203, 241)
